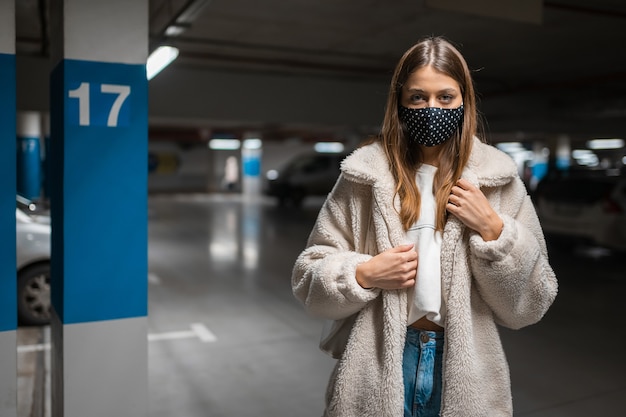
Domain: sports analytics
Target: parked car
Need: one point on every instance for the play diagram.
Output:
(36, 211)
(310, 174)
(584, 209)
(33, 264)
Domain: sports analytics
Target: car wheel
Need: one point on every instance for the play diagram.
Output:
(33, 295)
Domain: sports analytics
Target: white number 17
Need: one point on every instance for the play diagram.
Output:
(82, 94)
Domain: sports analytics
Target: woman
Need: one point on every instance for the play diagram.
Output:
(426, 244)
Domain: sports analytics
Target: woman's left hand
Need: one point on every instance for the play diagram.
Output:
(470, 205)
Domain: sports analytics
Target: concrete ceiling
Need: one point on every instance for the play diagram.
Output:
(561, 69)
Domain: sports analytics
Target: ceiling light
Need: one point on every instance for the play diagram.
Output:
(224, 144)
(329, 147)
(176, 29)
(159, 59)
(510, 147)
(605, 143)
(182, 21)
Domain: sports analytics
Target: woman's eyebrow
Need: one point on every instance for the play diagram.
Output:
(444, 90)
(417, 90)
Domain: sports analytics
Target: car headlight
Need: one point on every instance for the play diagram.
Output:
(271, 175)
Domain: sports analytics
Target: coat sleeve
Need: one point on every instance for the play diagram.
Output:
(324, 274)
(512, 273)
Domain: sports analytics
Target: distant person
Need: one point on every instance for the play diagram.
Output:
(231, 173)
(427, 242)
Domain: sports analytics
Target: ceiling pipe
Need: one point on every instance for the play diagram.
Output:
(182, 20)
(43, 22)
(584, 10)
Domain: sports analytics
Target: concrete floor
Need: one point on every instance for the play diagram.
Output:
(228, 339)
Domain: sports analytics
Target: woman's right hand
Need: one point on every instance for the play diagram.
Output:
(392, 269)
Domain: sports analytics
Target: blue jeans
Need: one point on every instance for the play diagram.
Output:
(421, 367)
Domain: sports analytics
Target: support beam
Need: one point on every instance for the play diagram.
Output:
(98, 185)
(8, 290)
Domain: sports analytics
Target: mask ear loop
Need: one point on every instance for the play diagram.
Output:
(459, 130)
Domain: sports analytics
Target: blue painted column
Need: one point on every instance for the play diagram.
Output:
(29, 154)
(8, 291)
(45, 165)
(563, 153)
(251, 151)
(98, 184)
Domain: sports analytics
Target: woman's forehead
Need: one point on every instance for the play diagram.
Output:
(428, 79)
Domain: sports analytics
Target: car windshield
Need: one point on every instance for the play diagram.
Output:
(576, 190)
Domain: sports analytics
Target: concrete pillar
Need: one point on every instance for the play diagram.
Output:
(8, 290)
(563, 153)
(541, 155)
(98, 184)
(251, 152)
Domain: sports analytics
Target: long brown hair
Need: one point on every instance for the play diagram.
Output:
(405, 158)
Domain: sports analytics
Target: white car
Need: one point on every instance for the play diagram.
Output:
(584, 209)
(33, 265)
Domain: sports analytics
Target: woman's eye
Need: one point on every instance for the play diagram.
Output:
(446, 98)
(416, 98)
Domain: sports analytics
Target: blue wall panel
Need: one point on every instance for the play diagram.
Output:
(8, 290)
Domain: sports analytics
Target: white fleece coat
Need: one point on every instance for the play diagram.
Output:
(506, 282)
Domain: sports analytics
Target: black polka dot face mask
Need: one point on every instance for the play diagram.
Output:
(431, 126)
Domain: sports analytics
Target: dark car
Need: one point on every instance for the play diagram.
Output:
(311, 174)
(587, 209)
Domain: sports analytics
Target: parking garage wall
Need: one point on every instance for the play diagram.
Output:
(174, 168)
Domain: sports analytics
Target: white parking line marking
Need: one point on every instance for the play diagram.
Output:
(183, 334)
(198, 330)
(203, 333)
(33, 348)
